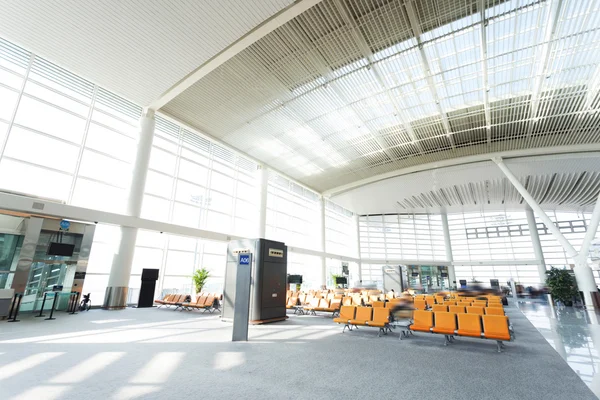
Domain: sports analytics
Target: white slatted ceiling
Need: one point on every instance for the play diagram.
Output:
(346, 80)
(137, 48)
(569, 182)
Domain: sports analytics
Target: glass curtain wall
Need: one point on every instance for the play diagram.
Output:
(47, 111)
(402, 237)
(340, 231)
(176, 258)
(485, 245)
(308, 266)
(194, 182)
(293, 214)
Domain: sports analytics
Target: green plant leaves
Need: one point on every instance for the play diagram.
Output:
(562, 285)
(200, 276)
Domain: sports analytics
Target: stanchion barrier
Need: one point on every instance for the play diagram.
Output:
(75, 297)
(17, 302)
(53, 305)
(42, 308)
(12, 306)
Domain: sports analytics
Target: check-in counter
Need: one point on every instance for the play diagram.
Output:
(6, 296)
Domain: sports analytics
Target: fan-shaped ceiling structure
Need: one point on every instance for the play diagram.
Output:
(351, 89)
(566, 182)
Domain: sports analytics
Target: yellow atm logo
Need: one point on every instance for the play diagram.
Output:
(276, 253)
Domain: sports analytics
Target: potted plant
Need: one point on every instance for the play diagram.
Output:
(562, 286)
(200, 276)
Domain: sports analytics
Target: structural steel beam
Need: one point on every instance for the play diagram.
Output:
(571, 252)
(268, 26)
(416, 28)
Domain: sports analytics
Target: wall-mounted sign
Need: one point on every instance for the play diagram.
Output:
(64, 224)
(79, 275)
(276, 253)
(241, 251)
(244, 259)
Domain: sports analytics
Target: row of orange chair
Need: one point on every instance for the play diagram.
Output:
(377, 317)
(495, 327)
(205, 301)
(173, 300)
(470, 310)
(423, 304)
(324, 305)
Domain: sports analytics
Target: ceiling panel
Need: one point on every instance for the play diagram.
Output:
(568, 182)
(352, 88)
(137, 48)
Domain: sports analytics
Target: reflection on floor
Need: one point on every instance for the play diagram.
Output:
(165, 354)
(574, 334)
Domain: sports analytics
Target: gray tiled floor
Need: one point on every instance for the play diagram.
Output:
(574, 334)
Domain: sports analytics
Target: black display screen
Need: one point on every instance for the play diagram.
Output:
(61, 249)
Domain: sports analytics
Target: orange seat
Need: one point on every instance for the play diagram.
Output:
(334, 306)
(347, 301)
(314, 302)
(423, 321)
(381, 318)
(469, 325)
(165, 299)
(475, 310)
(496, 327)
(445, 322)
(494, 311)
(457, 309)
(346, 314)
(420, 304)
(391, 303)
(323, 305)
(363, 314)
(439, 307)
(378, 304)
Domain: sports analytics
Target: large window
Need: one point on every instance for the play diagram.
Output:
(404, 237)
(194, 182)
(62, 137)
(490, 236)
(293, 214)
(308, 266)
(340, 231)
(523, 274)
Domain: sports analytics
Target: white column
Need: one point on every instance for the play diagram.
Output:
(449, 255)
(262, 216)
(537, 246)
(323, 245)
(356, 221)
(583, 273)
(118, 280)
(591, 231)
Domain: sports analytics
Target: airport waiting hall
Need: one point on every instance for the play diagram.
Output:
(299, 199)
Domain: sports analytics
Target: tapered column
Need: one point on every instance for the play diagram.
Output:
(449, 255)
(583, 273)
(118, 280)
(537, 246)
